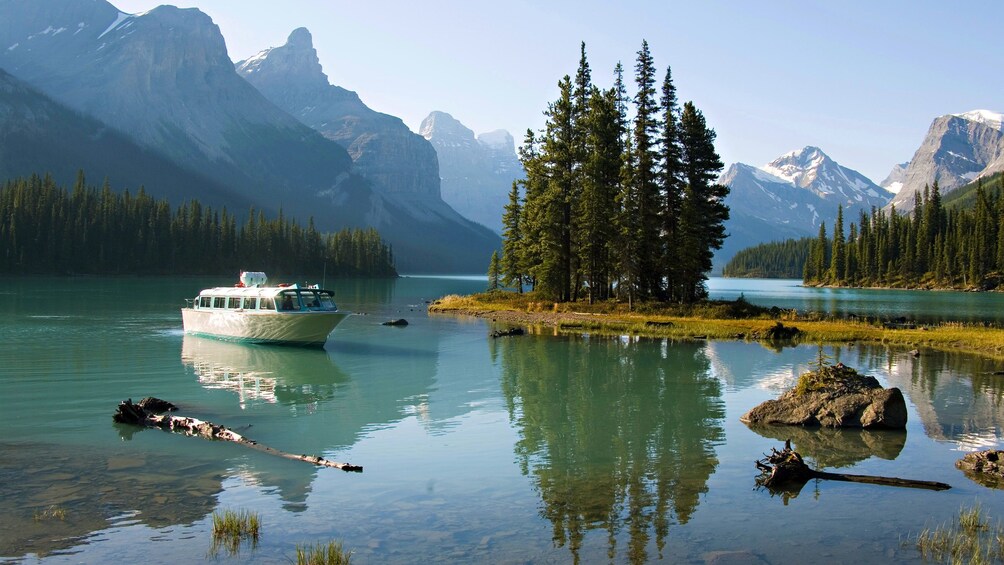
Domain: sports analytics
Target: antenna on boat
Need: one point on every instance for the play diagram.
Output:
(324, 275)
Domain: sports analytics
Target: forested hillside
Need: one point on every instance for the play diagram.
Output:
(935, 246)
(47, 229)
(773, 260)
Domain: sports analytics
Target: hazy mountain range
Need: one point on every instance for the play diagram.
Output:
(164, 82)
(153, 99)
(477, 172)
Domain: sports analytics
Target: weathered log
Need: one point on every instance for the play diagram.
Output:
(144, 413)
(786, 471)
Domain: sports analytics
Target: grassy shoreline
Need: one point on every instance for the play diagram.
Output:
(715, 320)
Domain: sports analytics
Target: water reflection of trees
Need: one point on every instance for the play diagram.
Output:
(616, 434)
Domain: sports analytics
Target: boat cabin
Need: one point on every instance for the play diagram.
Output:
(270, 299)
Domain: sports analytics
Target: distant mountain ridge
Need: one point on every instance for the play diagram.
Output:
(957, 149)
(789, 198)
(164, 79)
(477, 171)
(39, 135)
(383, 149)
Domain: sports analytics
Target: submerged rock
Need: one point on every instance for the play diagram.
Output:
(397, 322)
(834, 397)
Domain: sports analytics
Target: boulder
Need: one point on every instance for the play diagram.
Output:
(834, 397)
(984, 467)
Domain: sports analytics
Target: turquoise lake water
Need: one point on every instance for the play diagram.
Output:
(529, 449)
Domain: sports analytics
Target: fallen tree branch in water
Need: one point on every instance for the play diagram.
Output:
(785, 471)
(148, 412)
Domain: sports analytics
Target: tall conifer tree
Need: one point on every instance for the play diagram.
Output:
(703, 210)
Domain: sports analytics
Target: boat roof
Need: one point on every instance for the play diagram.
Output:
(257, 291)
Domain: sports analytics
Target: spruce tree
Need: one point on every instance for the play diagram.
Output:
(494, 271)
(838, 256)
(645, 164)
(601, 176)
(703, 210)
(512, 241)
(670, 178)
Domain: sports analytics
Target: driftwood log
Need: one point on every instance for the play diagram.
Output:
(784, 471)
(149, 412)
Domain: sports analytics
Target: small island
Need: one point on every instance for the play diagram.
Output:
(732, 320)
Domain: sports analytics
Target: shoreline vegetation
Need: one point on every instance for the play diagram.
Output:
(720, 320)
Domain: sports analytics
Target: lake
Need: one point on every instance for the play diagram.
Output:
(529, 449)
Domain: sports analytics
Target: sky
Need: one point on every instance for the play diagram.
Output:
(860, 79)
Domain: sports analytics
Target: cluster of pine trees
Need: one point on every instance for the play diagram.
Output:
(936, 246)
(773, 260)
(45, 229)
(615, 206)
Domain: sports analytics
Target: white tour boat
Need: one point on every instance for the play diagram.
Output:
(256, 313)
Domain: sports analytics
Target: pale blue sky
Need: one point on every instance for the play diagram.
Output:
(862, 80)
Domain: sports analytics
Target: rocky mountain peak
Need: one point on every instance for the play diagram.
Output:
(800, 167)
(440, 125)
(499, 140)
(958, 149)
(986, 117)
(894, 181)
(296, 62)
(300, 38)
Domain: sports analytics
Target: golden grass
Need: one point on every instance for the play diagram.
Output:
(231, 528)
(714, 320)
(332, 554)
(969, 539)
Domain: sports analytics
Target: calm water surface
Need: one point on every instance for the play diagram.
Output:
(531, 449)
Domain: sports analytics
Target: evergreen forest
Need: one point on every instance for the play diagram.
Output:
(46, 229)
(619, 199)
(935, 246)
(772, 260)
(951, 242)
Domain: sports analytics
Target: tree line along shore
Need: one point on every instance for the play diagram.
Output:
(46, 229)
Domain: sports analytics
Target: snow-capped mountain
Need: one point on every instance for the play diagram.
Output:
(790, 196)
(811, 169)
(477, 172)
(957, 149)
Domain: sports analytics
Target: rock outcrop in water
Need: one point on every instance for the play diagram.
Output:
(984, 467)
(834, 396)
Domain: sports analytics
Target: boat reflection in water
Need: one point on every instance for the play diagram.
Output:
(261, 374)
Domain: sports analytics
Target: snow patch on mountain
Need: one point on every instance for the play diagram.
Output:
(988, 117)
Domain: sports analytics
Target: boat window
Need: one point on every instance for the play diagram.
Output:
(234, 302)
(219, 301)
(205, 302)
(289, 301)
(327, 301)
(310, 299)
(250, 303)
(266, 303)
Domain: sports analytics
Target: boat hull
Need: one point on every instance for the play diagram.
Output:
(308, 329)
